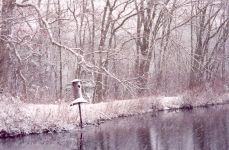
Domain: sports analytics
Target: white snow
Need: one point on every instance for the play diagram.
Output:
(17, 117)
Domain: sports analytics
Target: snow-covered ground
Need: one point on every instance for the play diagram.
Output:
(19, 118)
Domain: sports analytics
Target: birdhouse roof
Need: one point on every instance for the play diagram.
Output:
(79, 100)
(75, 80)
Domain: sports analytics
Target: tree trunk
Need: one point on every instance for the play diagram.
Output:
(60, 51)
(98, 95)
(6, 29)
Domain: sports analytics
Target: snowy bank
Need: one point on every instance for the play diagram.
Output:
(18, 118)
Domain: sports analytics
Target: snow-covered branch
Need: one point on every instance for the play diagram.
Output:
(50, 34)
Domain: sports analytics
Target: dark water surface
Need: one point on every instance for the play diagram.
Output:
(199, 129)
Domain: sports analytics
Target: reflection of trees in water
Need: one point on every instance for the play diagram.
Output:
(221, 129)
(163, 136)
(143, 136)
(124, 138)
(187, 131)
(172, 131)
(201, 129)
(199, 134)
(116, 137)
(100, 140)
(210, 131)
(175, 131)
(110, 138)
(226, 131)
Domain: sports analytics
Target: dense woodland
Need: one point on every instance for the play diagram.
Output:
(121, 49)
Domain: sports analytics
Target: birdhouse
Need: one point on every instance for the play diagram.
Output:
(78, 96)
(77, 89)
(77, 92)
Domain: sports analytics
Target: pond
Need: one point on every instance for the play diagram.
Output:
(197, 129)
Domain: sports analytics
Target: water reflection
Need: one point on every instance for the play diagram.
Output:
(80, 142)
(201, 129)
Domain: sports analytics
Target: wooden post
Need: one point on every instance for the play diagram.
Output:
(81, 122)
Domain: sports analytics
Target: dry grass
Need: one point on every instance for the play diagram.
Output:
(18, 118)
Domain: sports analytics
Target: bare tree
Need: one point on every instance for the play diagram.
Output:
(6, 30)
(124, 48)
(152, 19)
(206, 52)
